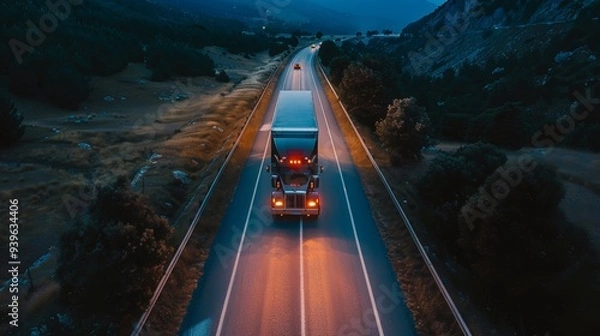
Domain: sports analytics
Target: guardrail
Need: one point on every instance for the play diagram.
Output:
(163, 281)
(457, 315)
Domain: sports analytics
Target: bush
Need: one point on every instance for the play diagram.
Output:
(404, 130)
(362, 90)
(168, 58)
(517, 245)
(502, 127)
(451, 179)
(328, 51)
(11, 129)
(112, 257)
(26, 79)
(585, 137)
(223, 77)
(277, 48)
(338, 65)
(66, 87)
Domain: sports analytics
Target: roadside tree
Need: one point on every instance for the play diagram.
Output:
(404, 130)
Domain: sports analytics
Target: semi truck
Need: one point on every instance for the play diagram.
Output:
(294, 165)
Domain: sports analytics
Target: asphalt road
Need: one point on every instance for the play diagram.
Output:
(294, 276)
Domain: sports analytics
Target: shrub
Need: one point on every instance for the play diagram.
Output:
(11, 129)
(328, 51)
(518, 244)
(362, 91)
(223, 77)
(451, 179)
(404, 130)
(585, 137)
(66, 87)
(338, 65)
(168, 58)
(276, 48)
(501, 126)
(26, 79)
(112, 257)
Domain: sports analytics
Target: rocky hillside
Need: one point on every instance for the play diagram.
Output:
(475, 31)
(498, 13)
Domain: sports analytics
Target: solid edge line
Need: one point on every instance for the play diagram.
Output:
(142, 320)
(455, 311)
(350, 212)
(240, 247)
(302, 302)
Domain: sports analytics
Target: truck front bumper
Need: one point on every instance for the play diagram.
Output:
(294, 212)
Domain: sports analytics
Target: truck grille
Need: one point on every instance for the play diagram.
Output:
(295, 201)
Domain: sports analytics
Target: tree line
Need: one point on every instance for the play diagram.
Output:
(99, 38)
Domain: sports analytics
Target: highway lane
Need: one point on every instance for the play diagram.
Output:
(295, 276)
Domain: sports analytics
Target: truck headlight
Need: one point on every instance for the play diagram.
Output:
(313, 203)
(277, 202)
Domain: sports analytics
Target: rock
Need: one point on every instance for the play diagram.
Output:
(72, 117)
(562, 56)
(498, 70)
(154, 158)
(108, 99)
(592, 58)
(181, 177)
(181, 96)
(84, 146)
(55, 131)
(64, 319)
(123, 98)
(215, 127)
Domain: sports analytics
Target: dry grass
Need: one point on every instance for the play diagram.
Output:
(431, 313)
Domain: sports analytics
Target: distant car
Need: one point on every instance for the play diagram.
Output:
(297, 66)
(313, 46)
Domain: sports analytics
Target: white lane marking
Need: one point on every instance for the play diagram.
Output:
(239, 251)
(360, 254)
(302, 303)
